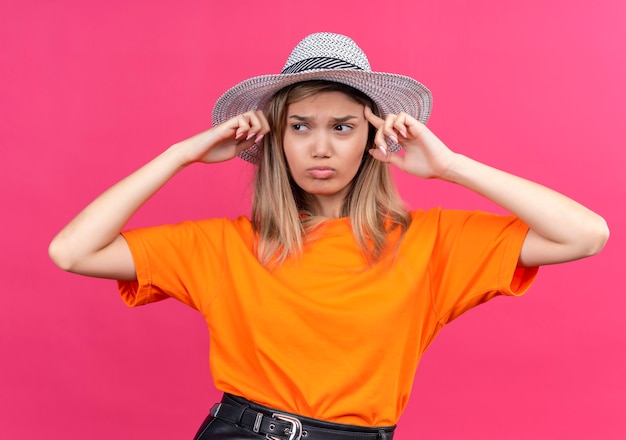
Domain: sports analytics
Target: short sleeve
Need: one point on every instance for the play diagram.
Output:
(475, 258)
(179, 261)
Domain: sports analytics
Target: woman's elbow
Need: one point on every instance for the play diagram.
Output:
(59, 255)
(64, 252)
(594, 237)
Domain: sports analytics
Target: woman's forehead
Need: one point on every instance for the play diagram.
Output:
(332, 102)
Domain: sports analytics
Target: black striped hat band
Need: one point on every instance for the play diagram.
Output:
(319, 63)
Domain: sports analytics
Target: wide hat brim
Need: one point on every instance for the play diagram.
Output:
(392, 93)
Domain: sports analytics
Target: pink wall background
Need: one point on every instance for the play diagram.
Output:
(90, 90)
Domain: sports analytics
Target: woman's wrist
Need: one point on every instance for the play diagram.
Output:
(181, 154)
(457, 169)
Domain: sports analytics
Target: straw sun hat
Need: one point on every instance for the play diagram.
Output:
(330, 57)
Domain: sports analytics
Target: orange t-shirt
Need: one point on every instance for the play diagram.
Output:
(324, 335)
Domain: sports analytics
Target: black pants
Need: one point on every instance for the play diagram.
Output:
(236, 418)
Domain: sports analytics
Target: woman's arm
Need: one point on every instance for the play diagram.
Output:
(560, 229)
(91, 243)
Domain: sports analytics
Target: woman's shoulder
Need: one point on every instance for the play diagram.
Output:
(439, 219)
(446, 214)
(425, 215)
(193, 229)
(237, 225)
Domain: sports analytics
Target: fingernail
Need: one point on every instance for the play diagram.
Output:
(403, 133)
(393, 139)
(250, 136)
(383, 149)
(259, 138)
(238, 136)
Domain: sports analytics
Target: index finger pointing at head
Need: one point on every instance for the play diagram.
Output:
(372, 118)
(265, 126)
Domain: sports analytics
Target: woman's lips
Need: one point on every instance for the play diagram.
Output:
(321, 172)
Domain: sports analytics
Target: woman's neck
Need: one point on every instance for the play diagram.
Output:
(328, 206)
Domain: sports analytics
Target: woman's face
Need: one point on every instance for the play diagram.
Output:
(324, 141)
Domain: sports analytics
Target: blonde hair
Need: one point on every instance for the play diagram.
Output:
(282, 213)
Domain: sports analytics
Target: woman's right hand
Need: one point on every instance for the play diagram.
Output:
(226, 140)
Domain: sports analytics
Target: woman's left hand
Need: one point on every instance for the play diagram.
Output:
(424, 154)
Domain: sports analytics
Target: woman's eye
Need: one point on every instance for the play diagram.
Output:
(342, 127)
(299, 127)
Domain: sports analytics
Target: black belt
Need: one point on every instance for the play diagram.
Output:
(277, 425)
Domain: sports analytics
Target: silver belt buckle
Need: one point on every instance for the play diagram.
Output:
(295, 432)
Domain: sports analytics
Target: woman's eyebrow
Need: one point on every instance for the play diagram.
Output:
(300, 118)
(345, 118)
(336, 119)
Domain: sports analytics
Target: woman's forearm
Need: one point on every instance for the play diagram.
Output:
(101, 222)
(561, 229)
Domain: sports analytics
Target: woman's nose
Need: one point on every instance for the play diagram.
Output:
(322, 146)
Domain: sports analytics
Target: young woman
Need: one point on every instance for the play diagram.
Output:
(320, 304)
